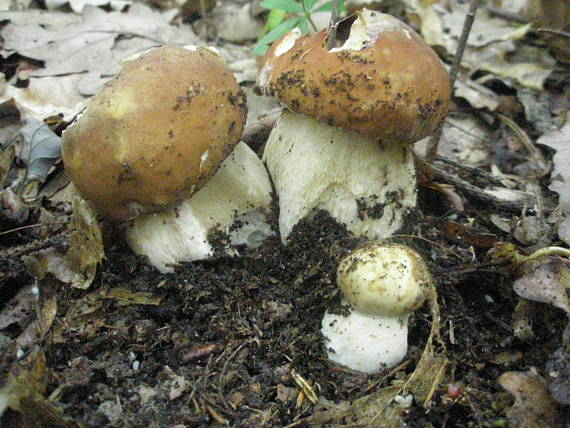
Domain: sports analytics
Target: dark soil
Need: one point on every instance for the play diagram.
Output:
(230, 334)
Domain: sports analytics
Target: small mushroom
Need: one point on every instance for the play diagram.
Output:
(353, 112)
(157, 146)
(382, 284)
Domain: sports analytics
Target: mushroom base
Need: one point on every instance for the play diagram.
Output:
(364, 184)
(365, 343)
(235, 201)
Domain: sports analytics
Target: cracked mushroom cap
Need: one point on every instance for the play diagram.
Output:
(156, 132)
(384, 81)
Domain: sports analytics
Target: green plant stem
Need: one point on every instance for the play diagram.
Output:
(312, 23)
(308, 16)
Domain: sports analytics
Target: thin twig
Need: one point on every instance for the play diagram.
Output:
(433, 143)
(554, 32)
(31, 226)
(333, 25)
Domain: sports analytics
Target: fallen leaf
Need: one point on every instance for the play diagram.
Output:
(127, 296)
(492, 44)
(533, 408)
(7, 156)
(560, 178)
(543, 285)
(456, 230)
(78, 5)
(41, 325)
(42, 148)
(92, 44)
(78, 265)
(48, 96)
(558, 369)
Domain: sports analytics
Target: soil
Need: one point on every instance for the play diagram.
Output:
(231, 334)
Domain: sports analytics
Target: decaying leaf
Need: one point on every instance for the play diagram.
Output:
(560, 179)
(48, 96)
(84, 312)
(41, 324)
(483, 240)
(543, 285)
(491, 45)
(41, 148)
(127, 296)
(80, 53)
(558, 370)
(6, 158)
(551, 19)
(20, 310)
(86, 245)
(533, 408)
(85, 251)
(28, 378)
(78, 5)
(235, 22)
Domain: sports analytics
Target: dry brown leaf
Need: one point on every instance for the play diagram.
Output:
(127, 296)
(80, 53)
(543, 285)
(533, 408)
(86, 245)
(41, 325)
(79, 264)
(492, 44)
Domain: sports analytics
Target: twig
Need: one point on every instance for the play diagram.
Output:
(31, 226)
(333, 25)
(475, 193)
(555, 32)
(433, 143)
(25, 249)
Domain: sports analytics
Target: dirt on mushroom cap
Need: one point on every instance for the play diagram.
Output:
(394, 90)
(156, 133)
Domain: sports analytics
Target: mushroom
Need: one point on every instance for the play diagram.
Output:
(382, 284)
(153, 146)
(344, 143)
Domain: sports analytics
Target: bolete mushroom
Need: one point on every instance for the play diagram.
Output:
(353, 112)
(153, 146)
(382, 284)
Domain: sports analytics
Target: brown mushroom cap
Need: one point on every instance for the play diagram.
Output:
(156, 133)
(393, 87)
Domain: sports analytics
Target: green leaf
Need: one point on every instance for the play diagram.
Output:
(304, 26)
(279, 31)
(286, 5)
(309, 4)
(327, 7)
(274, 18)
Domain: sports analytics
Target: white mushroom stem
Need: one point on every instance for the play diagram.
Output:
(382, 284)
(364, 184)
(365, 343)
(235, 201)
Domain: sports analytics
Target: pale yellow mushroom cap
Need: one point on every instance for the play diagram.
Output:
(381, 278)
